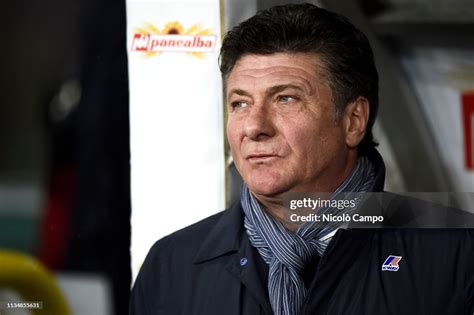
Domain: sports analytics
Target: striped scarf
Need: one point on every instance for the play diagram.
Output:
(287, 253)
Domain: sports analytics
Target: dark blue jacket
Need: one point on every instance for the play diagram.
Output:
(211, 268)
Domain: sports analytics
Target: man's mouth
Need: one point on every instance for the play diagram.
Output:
(261, 157)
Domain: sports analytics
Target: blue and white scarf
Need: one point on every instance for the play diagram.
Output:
(287, 253)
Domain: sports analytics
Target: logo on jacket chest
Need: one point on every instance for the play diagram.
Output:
(391, 263)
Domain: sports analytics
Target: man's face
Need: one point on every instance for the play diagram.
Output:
(281, 125)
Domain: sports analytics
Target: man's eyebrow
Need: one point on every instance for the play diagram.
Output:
(278, 88)
(270, 91)
(239, 92)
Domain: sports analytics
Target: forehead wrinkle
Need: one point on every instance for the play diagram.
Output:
(285, 81)
(263, 71)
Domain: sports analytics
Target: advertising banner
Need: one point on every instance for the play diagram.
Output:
(176, 118)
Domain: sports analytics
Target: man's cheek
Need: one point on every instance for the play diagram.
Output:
(234, 139)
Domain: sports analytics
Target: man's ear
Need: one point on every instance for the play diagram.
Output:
(354, 120)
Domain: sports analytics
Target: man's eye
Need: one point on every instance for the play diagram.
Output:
(238, 104)
(286, 98)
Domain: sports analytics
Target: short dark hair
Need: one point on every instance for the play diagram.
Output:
(345, 51)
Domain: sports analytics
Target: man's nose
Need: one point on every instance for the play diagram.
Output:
(259, 124)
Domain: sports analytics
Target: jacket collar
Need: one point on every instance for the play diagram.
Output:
(224, 237)
(379, 167)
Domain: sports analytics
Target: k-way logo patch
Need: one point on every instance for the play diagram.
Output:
(391, 263)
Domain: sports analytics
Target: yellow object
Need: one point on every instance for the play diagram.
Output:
(26, 276)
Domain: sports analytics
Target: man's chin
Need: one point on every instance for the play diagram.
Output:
(267, 189)
(268, 182)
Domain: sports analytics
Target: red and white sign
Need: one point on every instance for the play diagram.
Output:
(176, 43)
(195, 40)
(468, 122)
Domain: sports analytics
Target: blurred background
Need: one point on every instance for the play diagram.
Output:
(72, 132)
